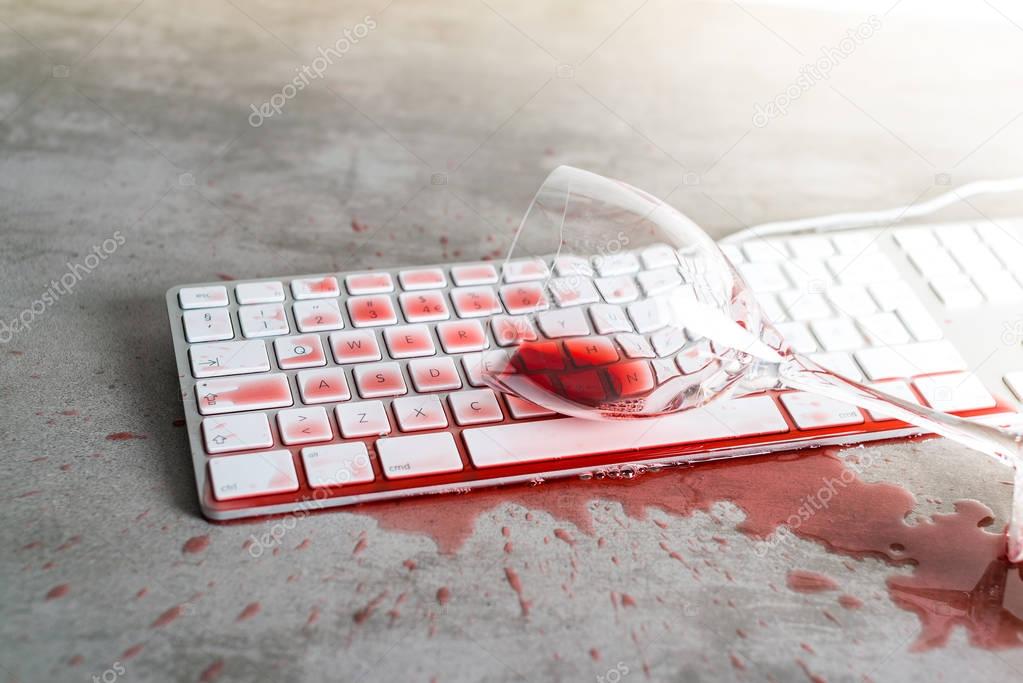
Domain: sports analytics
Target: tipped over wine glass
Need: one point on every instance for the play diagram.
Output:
(626, 309)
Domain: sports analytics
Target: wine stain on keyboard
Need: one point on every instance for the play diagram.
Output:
(960, 576)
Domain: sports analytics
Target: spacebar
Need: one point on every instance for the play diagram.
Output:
(570, 437)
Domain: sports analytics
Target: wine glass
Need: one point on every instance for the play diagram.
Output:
(619, 307)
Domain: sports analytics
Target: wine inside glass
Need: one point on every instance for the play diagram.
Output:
(619, 307)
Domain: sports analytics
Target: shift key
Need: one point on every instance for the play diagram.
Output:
(235, 394)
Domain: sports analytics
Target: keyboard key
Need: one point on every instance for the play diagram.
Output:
(229, 433)
(300, 351)
(541, 356)
(891, 295)
(798, 336)
(764, 277)
(566, 322)
(467, 276)
(862, 268)
(976, 258)
(379, 379)
(424, 306)
(811, 246)
(955, 392)
(524, 298)
(418, 455)
(475, 406)
(919, 322)
(934, 263)
(858, 242)
(810, 411)
(611, 265)
(473, 364)
(957, 292)
(608, 319)
(1014, 380)
(573, 291)
(896, 388)
(924, 358)
(999, 286)
(318, 315)
(525, 271)
(252, 474)
(213, 324)
(315, 288)
(839, 363)
(634, 378)
(590, 351)
(323, 386)
(523, 442)
(461, 336)
(808, 275)
(522, 409)
(883, 329)
(365, 418)
(571, 266)
(659, 281)
(419, 413)
(617, 290)
(956, 236)
(304, 425)
(512, 330)
(650, 314)
(260, 292)
(695, 357)
(235, 394)
(851, 300)
(658, 256)
(885, 363)
(422, 278)
(203, 297)
(475, 302)
(837, 334)
(356, 346)
(228, 358)
(915, 239)
(264, 320)
(337, 464)
(434, 374)
(763, 249)
(369, 311)
(802, 305)
(409, 341)
(635, 346)
(369, 283)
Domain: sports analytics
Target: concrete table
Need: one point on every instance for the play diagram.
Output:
(418, 135)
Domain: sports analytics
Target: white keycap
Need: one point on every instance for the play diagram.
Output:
(473, 364)
(851, 300)
(801, 305)
(475, 406)
(839, 363)
(934, 263)
(798, 336)
(955, 236)
(525, 271)
(976, 258)
(608, 319)
(857, 242)
(658, 256)
(228, 358)
(315, 287)
(999, 286)
(271, 292)
(418, 413)
(337, 464)
(318, 315)
(514, 443)
(654, 282)
(422, 278)
(364, 418)
(837, 334)
(924, 358)
(862, 269)
(567, 322)
(762, 249)
(299, 351)
(957, 292)
(213, 324)
(733, 253)
(695, 357)
(573, 290)
(479, 274)
(764, 277)
(1014, 380)
(521, 409)
(635, 345)
(810, 411)
(510, 330)
(891, 295)
(648, 315)
(235, 394)
(229, 433)
(252, 474)
(915, 239)
(570, 265)
(304, 425)
(263, 320)
(771, 308)
(357, 346)
(955, 392)
(418, 455)
(883, 329)
(327, 385)
(369, 283)
(811, 246)
(379, 380)
(808, 275)
(409, 341)
(203, 297)
(613, 265)
(885, 363)
(434, 374)
(668, 341)
(919, 322)
(896, 388)
(617, 290)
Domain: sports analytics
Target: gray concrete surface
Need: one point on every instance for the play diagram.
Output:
(432, 131)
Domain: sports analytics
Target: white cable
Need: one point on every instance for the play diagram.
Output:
(867, 219)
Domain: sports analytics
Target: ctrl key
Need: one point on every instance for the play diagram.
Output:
(419, 455)
(252, 474)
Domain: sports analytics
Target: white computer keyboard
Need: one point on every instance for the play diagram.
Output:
(332, 389)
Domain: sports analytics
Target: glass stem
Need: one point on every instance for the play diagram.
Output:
(798, 372)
